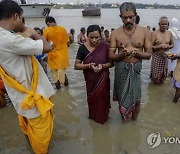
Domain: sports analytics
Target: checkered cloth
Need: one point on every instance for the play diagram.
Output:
(159, 68)
(127, 87)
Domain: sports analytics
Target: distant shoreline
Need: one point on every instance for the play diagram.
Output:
(116, 5)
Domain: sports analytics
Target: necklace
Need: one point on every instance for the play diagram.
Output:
(129, 34)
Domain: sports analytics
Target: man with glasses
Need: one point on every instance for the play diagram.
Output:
(133, 43)
(25, 81)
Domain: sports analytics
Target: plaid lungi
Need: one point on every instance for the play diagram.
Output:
(127, 87)
(159, 68)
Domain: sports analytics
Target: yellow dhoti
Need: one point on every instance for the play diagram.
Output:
(39, 131)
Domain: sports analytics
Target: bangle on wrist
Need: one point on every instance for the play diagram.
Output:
(89, 65)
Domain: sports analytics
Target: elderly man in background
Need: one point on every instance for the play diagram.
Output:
(162, 41)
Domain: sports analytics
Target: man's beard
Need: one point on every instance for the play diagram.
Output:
(128, 25)
(163, 29)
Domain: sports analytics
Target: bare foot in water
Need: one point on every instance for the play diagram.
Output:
(177, 95)
(58, 85)
(66, 83)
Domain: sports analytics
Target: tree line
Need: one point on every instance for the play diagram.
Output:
(114, 5)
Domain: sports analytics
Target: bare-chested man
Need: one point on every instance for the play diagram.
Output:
(81, 37)
(162, 40)
(71, 36)
(134, 44)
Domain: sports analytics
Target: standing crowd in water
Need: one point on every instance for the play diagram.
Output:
(33, 66)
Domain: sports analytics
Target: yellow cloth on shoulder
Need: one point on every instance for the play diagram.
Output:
(58, 58)
(32, 98)
(38, 130)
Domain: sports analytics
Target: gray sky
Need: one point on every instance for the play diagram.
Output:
(166, 2)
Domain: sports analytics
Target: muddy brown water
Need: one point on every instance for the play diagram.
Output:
(74, 133)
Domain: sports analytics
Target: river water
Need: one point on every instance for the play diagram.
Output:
(73, 132)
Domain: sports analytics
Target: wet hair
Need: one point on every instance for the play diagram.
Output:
(93, 28)
(153, 29)
(106, 31)
(72, 30)
(137, 19)
(50, 20)
(37, 28)
(83, 29)
(127, 6)
(8, 8)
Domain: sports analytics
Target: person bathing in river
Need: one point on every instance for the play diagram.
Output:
(133, 43)
(24, 79)
(92, 58)
(58, 58)
(162, 41)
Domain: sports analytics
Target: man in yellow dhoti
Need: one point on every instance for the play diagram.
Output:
(24, 79)
(58, 58)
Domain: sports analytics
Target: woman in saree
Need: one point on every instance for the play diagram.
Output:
(92, 58)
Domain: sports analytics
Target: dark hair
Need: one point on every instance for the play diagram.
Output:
(8, 8)
(72, 30)
(106, 31)
(137, 19)
(93, 28)
(50, 20)
(23, 20)
(37, 28)
(153, 29)
(83, 29)
(127, 6)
